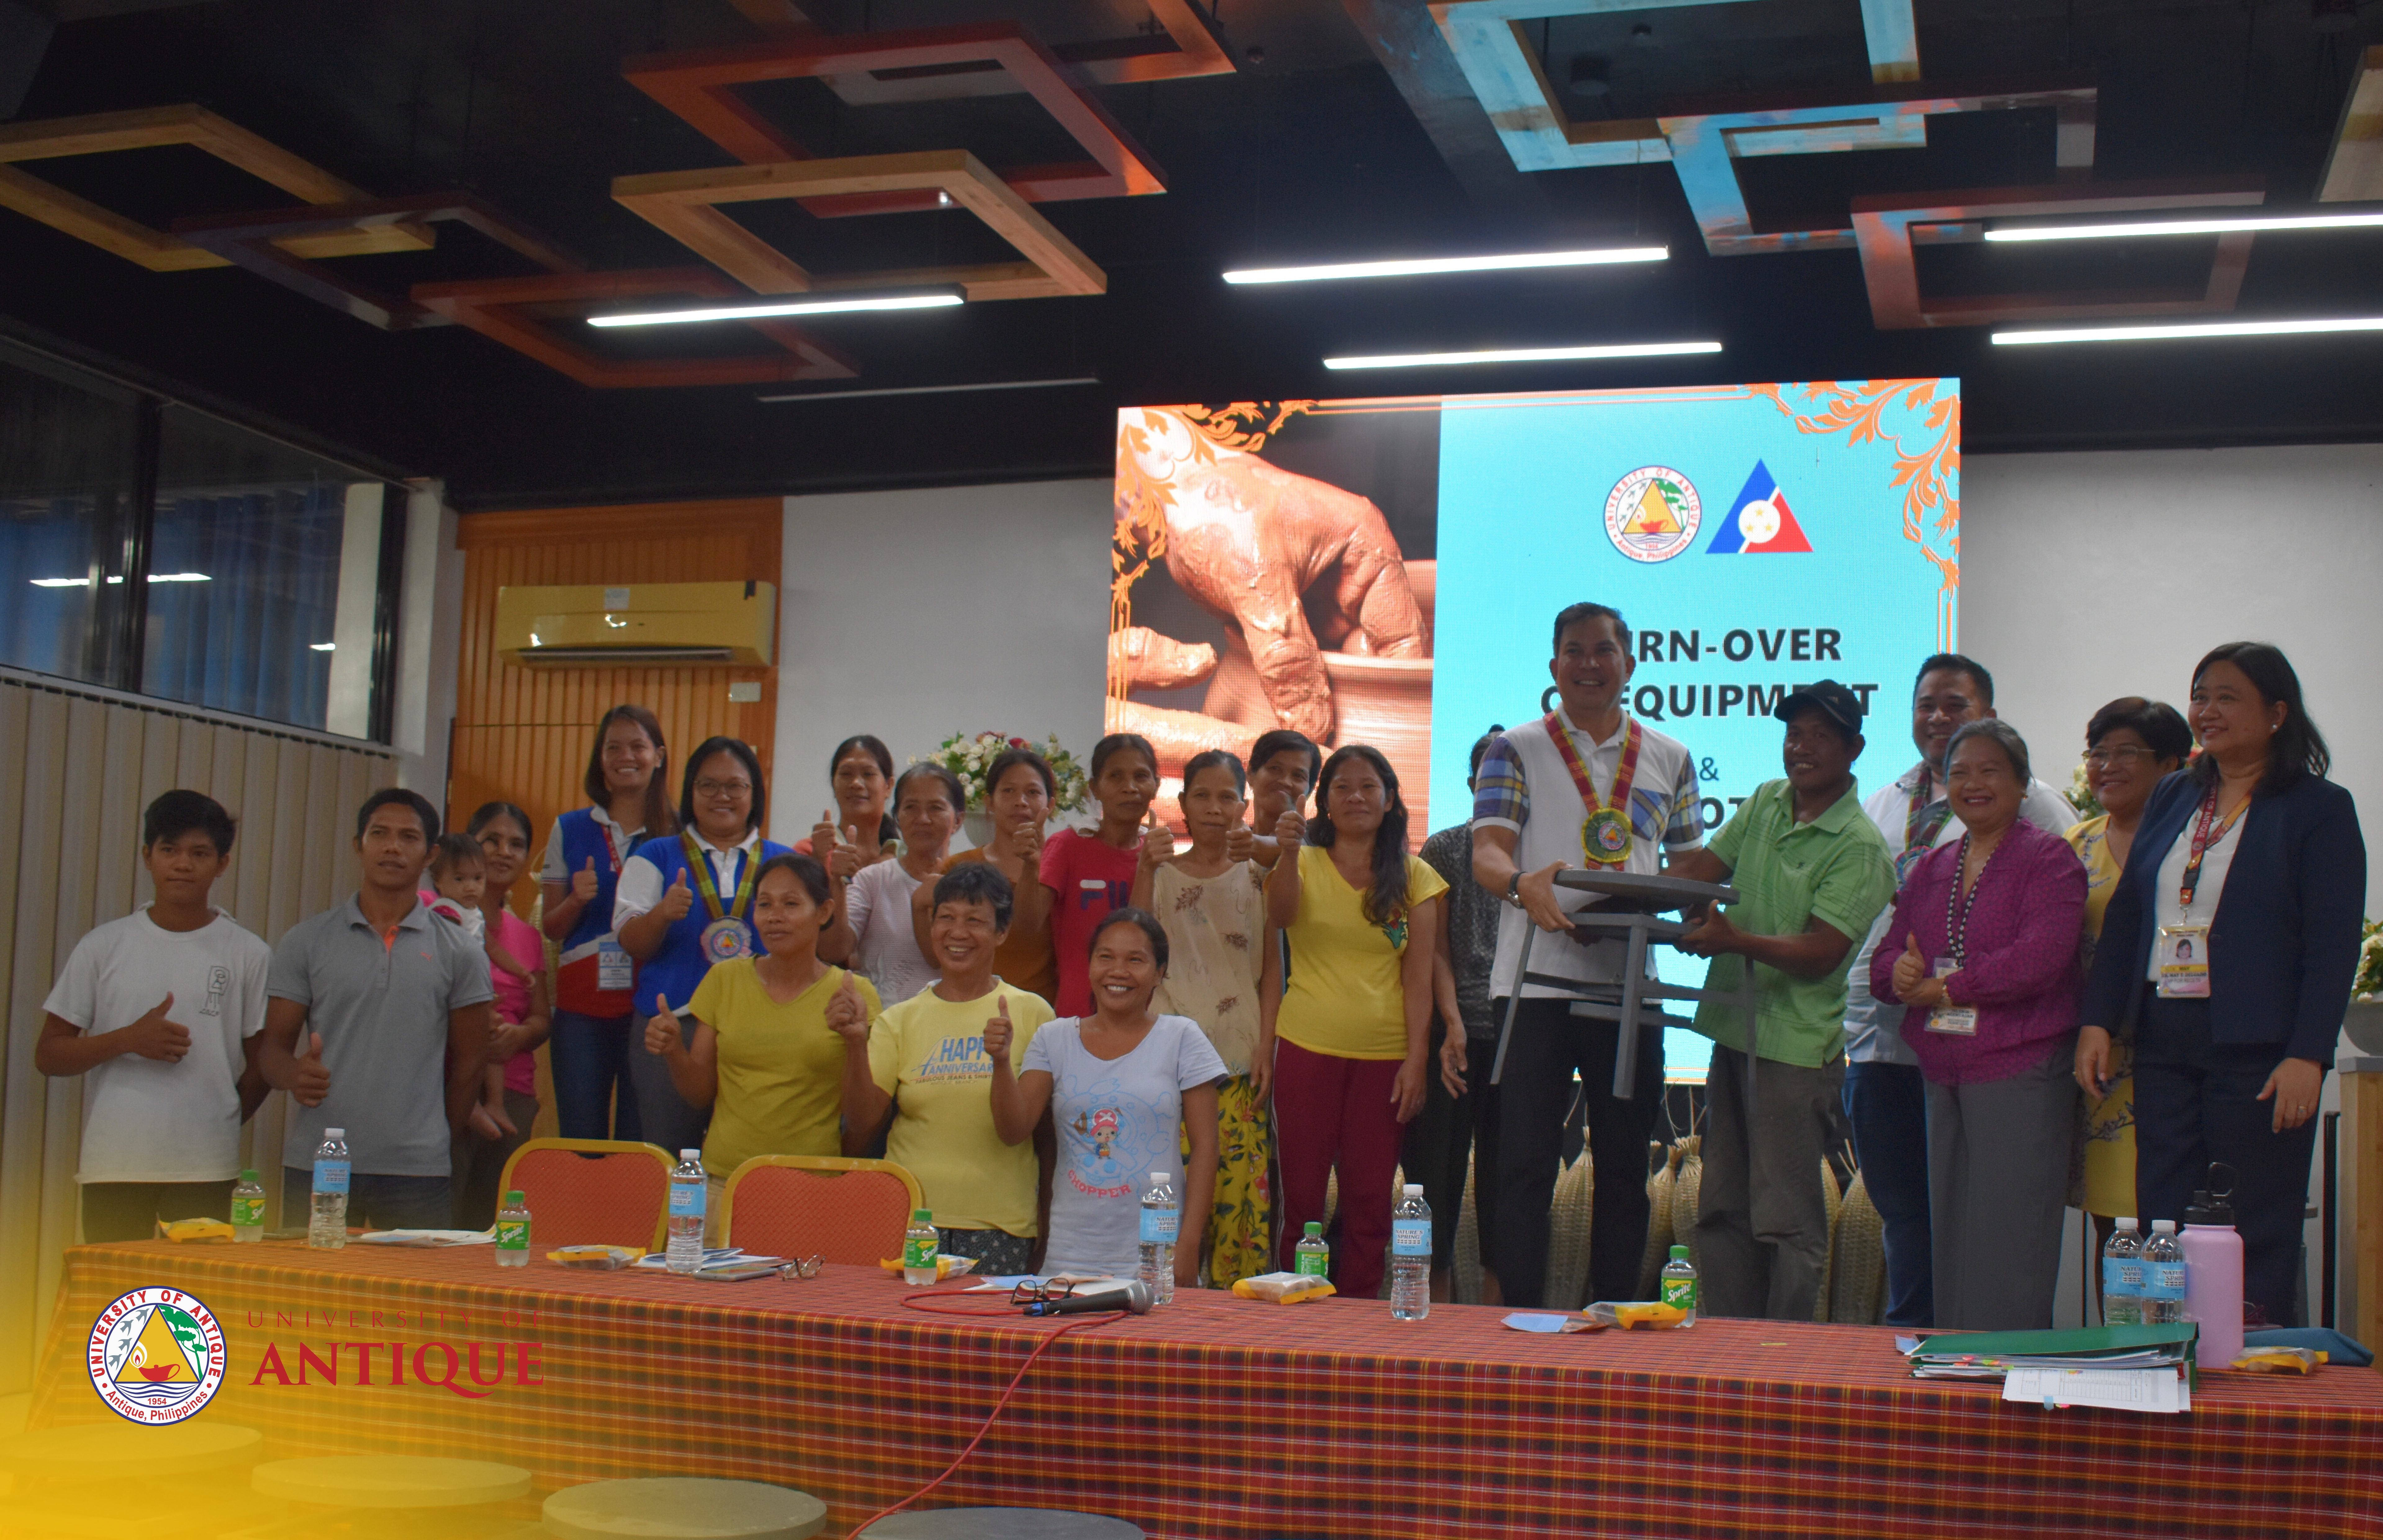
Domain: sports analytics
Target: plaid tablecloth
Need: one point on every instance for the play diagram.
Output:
(1218, 1419)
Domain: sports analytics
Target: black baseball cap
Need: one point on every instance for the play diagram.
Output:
(1831, 698)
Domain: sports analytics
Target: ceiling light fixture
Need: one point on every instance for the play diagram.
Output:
(825, 305)
(322, 646)
(1523, 355)
(1417, 266)
(154, 577)
(2210, 328)
(2252, 225)
(929, 390)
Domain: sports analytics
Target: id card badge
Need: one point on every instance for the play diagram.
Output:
(1961, 1021)
(2182, 953)
(614, 968)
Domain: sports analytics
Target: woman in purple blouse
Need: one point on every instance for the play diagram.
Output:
(1983, 952)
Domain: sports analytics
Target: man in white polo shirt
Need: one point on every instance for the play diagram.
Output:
(1588, 783)
(378, 1020)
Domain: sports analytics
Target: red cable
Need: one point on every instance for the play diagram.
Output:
(926, 1302)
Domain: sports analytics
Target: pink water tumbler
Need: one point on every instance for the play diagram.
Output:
(2213, 1278)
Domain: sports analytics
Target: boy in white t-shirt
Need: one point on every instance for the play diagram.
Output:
(159, 1011)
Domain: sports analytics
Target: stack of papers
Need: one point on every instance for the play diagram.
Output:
(2130, 1368)
(719, 1262)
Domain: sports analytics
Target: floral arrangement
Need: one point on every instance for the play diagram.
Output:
(969, 756)
(2369, 983)
(2081, 795)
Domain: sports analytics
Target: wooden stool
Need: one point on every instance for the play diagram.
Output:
(999, 1523)
(389, 1481)
(119, 1452)
(683, 1507)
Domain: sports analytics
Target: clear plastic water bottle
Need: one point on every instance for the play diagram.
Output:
(1311, 1257)
(2122, 1277)
(512, 1231)
(248, 1208)
(684, 1252)
(1680, 1284)
(921, 1247)
(2163, 1275)
(327, 1227)
(1162, 1219)
(1411, 1256)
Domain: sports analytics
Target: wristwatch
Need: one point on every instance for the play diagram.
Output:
(1515, 888)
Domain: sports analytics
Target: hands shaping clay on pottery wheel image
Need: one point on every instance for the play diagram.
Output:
(1310, 584)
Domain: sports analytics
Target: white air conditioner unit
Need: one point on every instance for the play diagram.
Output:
(653, 625)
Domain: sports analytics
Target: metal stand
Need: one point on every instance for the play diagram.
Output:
(1634, 1002)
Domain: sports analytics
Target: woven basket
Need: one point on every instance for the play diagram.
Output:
(1685, 1189)
(1659, 1220)
(1568, 1222)
(1829, 1259)
(1857, 1291)
(1465, 1267)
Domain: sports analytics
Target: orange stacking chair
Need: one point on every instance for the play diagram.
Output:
(592, 1192)
(847, 1211)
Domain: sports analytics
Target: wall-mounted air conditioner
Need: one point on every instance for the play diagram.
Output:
(653, 625)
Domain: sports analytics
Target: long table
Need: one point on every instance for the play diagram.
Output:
(1214, 1419)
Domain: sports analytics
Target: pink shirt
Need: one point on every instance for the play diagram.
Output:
(1087, 878)
(2018, 958)
(519, 937)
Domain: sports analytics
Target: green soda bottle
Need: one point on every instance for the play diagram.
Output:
(1680, 1284)
(1313, 1258)
(248, 1208)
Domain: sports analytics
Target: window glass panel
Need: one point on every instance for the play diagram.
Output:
(68, 459)
(247, 609)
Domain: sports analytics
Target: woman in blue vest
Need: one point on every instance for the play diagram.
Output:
(628, 802)
(686, 902)
(2226, 957)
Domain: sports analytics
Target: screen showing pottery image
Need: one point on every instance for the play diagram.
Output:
(1386, 571)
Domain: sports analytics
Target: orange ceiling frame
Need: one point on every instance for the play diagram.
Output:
(1887, 227)
(152, 128)
(517, 313)
(684, 205)
(700, 86)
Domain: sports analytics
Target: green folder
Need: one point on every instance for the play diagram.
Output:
(2084, 1345)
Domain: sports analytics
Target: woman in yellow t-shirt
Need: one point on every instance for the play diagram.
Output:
(1362, 917)
(766, 1058)
(2130, 744)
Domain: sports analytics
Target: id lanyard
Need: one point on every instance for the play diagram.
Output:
(1605, 832)
(2202, 838)
(1949, 1017)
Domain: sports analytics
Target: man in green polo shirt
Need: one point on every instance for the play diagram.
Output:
(1812, 873)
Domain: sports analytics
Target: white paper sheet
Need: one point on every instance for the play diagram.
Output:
(2120, 1389)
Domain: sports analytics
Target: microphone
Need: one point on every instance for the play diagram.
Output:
(1129, 1294)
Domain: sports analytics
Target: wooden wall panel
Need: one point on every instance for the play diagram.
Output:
(76, 770)
(522, 735)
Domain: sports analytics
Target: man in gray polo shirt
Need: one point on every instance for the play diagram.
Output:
(376, 1018)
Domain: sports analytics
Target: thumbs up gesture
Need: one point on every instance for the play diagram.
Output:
(662, 1039)
(998, 1032)
(1027, 840)
(844, 860)
(156, 1036)
(583, 882)
(847, 1013)
(314, 1078)
(1290, 831)
(1240, 843)
(1909, 970)
(823, 836)
(1157, 845)
(677, 899)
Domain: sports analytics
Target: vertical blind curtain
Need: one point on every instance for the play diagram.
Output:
(76, 770)
(244, 639)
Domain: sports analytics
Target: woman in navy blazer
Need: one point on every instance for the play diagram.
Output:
(2227, 956)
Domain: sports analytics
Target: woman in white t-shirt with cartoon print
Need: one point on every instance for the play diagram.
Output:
(1123, 1087)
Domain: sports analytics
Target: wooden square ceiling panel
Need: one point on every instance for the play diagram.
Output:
(152, 127)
